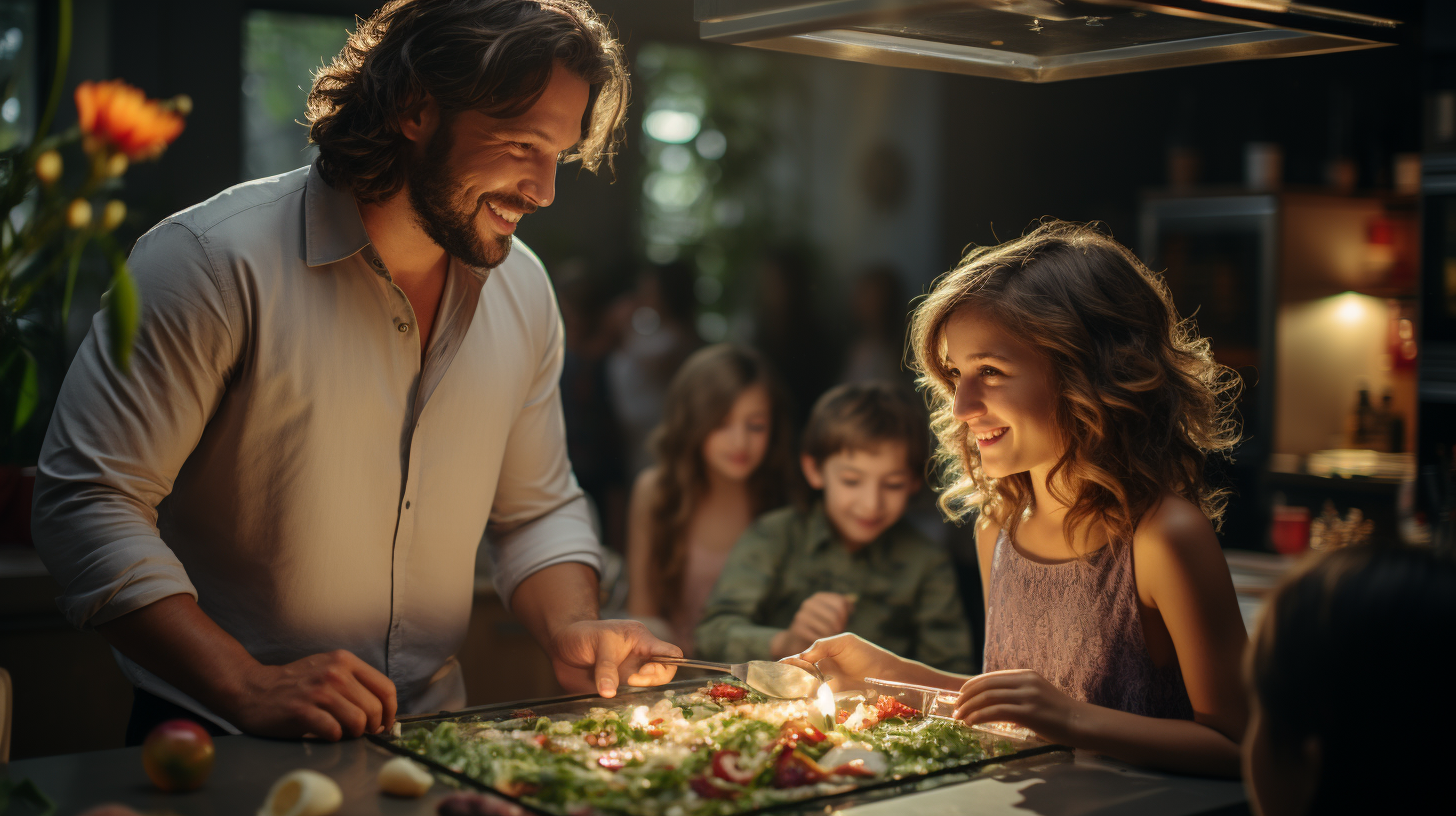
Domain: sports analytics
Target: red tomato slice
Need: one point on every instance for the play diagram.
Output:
(725, 767)
(888, 706)
(855, 768)
(704, 787)
(727, 691)
(794, 769)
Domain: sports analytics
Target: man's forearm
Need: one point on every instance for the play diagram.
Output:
(175, 640)
(554, 598)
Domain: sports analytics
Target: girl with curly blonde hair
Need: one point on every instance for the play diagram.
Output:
(1074, 411)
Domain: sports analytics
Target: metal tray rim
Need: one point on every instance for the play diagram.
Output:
(811, 802)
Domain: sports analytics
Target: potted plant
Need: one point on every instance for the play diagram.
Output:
(50, 222)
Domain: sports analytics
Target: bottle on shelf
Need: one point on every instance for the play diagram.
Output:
(1392, 426)
(1363, 421)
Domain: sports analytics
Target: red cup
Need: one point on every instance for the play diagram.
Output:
(1290, 530)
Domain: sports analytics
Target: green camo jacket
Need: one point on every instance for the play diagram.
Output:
(906, 588)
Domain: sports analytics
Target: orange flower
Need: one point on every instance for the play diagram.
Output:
(121, 116)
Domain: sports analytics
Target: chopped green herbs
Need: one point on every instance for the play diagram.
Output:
(713, 752)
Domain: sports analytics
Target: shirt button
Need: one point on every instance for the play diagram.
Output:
(403, 327)
(406, 505)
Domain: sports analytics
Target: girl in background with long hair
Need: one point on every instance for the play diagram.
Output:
(723, 455)
(1075, 411)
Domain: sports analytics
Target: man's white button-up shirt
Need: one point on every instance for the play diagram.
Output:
(278, 451)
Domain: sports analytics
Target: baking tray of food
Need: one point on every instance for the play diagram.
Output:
(702, 746)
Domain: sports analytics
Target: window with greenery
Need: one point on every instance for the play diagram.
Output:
(710, 133)
(280, 52)
(17, 72)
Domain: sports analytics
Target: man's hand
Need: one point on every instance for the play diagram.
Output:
(592, 655)
(331, 696)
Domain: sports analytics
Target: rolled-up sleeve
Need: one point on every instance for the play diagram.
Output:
(729, 631)
(118, 438)
(540, 516)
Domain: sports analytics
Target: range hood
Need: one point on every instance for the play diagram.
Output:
(1042, 40)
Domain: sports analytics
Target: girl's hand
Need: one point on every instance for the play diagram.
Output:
(847, 659)
(1023, 697)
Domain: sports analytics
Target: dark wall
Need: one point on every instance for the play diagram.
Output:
(1013, 152)
(170, 47)
(1084, 149)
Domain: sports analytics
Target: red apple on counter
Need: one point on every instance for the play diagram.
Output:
(178, 755)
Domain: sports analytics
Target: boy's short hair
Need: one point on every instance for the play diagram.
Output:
(860, 416)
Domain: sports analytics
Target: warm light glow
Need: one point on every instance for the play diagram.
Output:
(639, 716)
(1350, 309)
(824, 700)
(672, 126)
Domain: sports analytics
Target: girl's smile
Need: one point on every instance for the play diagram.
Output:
(1004, 393)
(985, 439)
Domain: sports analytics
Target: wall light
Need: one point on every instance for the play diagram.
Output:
(1350, 309)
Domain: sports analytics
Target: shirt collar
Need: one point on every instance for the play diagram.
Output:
(820, 532)
(333, 229)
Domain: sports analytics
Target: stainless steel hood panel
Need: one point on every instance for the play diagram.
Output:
(1038, 40)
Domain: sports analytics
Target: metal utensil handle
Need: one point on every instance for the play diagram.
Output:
(693, 664)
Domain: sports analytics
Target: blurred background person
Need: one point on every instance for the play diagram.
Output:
(723, 456)
(658, 334)
(875, 345)
(593, 438)
(786, 327)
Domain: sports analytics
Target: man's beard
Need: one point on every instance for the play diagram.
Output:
(445, 212)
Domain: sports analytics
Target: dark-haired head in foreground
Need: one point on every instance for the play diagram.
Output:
(1353, 708)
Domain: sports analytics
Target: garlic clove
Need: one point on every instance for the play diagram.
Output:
(403, 777)
(302, 793)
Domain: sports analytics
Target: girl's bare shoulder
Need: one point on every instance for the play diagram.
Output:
(1176, 536)
(1174, 521)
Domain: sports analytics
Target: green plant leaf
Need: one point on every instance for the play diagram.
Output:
(74, 266)
(25, 790)
(29, 395)
(123, 313)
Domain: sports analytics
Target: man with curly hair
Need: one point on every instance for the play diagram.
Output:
(346, 377)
